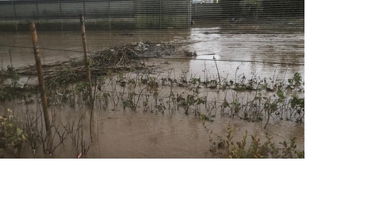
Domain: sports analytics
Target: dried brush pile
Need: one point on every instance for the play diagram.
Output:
(123, 55)
(111, 60)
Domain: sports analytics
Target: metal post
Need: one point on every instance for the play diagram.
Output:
(37, 9)
(109, 19)
(259, 9)
(10, 57)
(15, 14)
(160, 14)
(61, 15)
(44, 100)
(83, 8)
(14, 9)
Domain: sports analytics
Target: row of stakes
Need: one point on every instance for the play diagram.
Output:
(42, 88)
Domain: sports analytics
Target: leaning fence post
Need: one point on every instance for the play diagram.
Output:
(86, 62)
(43, 95)
(85, 49)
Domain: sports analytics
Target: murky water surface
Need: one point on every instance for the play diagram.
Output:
(135, 134)
(245, 51)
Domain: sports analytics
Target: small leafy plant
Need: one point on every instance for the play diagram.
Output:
(11, 136)
(251, 146)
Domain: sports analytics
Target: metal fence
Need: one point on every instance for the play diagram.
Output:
(248, 8)
(48, 9)
(142, 13)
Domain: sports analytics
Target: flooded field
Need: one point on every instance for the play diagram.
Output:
(202, 84)
(248, 49)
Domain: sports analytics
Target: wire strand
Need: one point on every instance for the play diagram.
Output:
(168, 58)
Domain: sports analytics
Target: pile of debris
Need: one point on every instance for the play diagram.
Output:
(123, 55)
(116, 59)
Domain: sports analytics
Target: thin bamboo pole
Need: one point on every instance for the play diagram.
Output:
(85, 50)
(44, 100)
(91, 97)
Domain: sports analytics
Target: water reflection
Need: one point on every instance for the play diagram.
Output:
(266, 53)
(282, 52)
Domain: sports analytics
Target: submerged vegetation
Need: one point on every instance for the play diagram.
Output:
(262, 101)
(251, 146)
(11, 136)
(122, 82)
(10, 88)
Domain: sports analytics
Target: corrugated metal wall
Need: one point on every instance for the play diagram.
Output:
(40, 9)
(163, 13)
(248, 8)
(147, 13)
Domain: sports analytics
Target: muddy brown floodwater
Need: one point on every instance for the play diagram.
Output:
(129, 134)
(268, 53)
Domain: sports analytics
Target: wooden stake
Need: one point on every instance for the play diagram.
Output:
(85, 49)
(40, 77)
(216, 66)
(86, 62)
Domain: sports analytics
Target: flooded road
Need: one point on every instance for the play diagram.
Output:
(125, 134)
